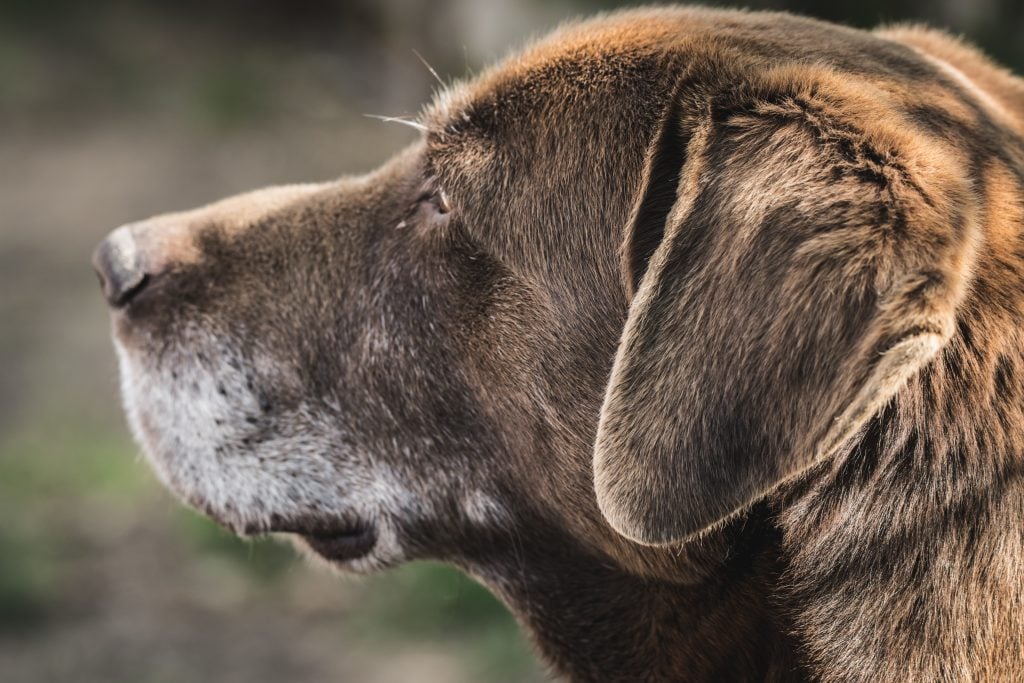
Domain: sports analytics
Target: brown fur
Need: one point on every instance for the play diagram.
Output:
(773, 268)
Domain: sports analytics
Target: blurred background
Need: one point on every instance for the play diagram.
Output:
(113, 110)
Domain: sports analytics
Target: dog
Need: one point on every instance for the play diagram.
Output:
(695, 335)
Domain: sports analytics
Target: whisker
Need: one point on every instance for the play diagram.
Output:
(430, 69)
(397, 119)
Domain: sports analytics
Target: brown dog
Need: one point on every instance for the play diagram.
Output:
(771, 267)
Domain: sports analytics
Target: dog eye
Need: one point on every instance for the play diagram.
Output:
(441, 201)
(437, 198)
(431, 204)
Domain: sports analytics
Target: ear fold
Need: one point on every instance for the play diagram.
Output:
(797, 287)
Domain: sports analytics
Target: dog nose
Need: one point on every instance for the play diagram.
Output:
(119, 267)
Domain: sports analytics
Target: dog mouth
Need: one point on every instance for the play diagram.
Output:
(342, 541)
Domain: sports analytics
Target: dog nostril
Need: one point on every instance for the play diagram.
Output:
(119, 267)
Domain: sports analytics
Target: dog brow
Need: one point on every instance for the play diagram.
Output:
(446, 109)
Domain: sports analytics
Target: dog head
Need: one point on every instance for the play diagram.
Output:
(389, 364)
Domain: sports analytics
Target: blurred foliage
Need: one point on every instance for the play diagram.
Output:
(65, 458)
(262, 559)
(428, 600)
(231, 96)
(27, 580)
(45, 470)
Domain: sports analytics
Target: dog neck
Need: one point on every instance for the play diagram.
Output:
(594, 621)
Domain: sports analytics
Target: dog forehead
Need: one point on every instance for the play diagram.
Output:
(566, 59)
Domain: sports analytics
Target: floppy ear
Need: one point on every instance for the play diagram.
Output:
(803, 276)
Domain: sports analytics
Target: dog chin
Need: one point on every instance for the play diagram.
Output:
(187, 422)
(345, 542)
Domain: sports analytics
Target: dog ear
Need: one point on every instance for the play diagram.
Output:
(786, 290)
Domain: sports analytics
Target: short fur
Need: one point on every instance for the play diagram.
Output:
(763, 273)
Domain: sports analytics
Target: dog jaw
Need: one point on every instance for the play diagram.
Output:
(222, 446)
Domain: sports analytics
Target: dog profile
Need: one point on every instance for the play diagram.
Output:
(694, 335)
